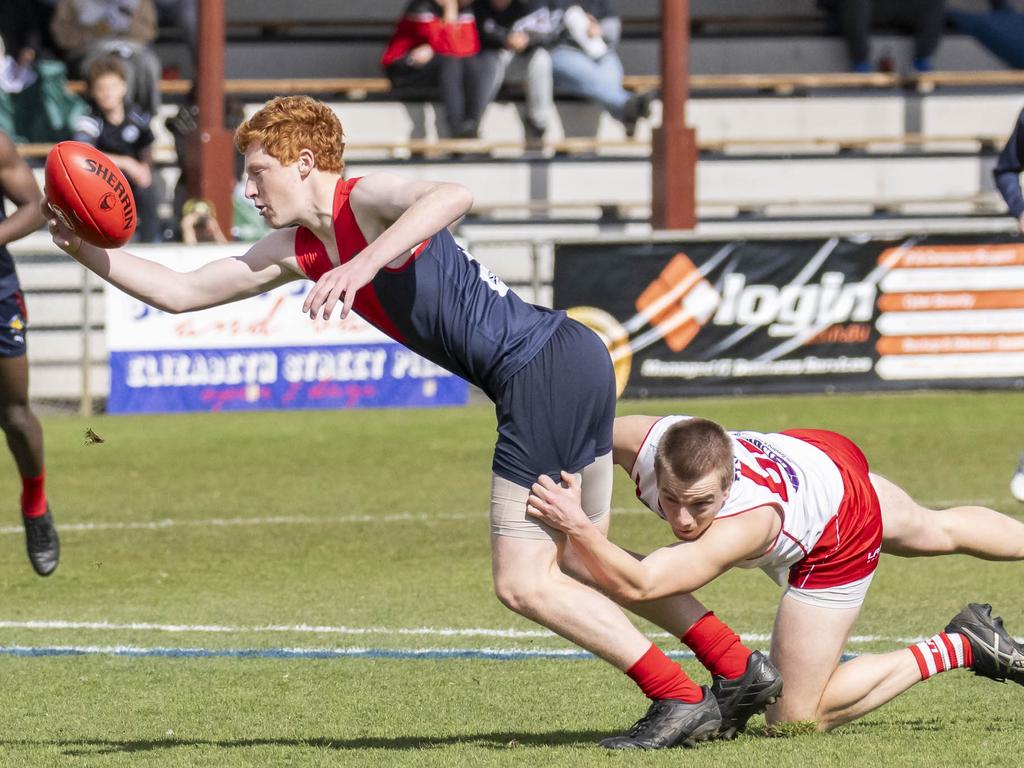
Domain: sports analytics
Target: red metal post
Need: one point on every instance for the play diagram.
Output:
(211, 153)
(674, 145)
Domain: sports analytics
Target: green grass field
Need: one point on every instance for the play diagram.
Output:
(292, 533)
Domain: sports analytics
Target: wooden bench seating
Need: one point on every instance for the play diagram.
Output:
(570, 146)
(784, 84)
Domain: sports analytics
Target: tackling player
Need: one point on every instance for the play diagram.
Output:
(802, 506)
(20, 425)
(380, 245)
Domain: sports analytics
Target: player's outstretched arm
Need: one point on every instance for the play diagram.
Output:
(395, 215)
(20, 186)
(679, 568)
(264, 266)
(628, 436)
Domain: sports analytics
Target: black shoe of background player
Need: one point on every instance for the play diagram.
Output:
(671, 723)
(42, 543)
(747, 695)
(996, 655)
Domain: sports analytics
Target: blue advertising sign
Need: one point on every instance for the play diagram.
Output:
(258, 354)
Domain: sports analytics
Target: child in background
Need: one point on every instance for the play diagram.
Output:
(121, 130)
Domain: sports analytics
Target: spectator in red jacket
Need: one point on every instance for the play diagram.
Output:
(435, 47)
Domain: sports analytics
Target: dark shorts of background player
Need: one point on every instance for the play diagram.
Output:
(557, 411)
(13, 325)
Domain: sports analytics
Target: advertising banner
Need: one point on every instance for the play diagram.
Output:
(799, 315)
(259, 353)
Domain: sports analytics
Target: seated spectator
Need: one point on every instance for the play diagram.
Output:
(925, 18)
(121, 130)
(511, 28)
(199, 223)
(1001, 30)
(435, 46)
(24, 27)
(88, 30)
(585, 63)
(35, 105)
(182, 15)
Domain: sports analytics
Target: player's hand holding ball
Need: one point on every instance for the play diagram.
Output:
(88, 198)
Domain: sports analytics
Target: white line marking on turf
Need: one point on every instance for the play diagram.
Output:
(402, 517)
(403, 654)
(224, 522)
(108, 626)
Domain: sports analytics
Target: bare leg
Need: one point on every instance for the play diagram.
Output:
(528, 581)
(527, 578)
(21, 427)
(911, 530)
(807, 644)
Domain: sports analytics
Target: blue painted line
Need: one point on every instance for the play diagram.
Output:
(431, 654)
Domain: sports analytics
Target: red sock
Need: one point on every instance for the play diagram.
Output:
(941, 653)
(661, 678)
(33, 495)
(717, 647)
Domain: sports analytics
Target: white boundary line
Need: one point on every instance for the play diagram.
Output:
(402, 517)
(461, 632)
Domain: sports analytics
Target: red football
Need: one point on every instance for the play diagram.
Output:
(90, 194)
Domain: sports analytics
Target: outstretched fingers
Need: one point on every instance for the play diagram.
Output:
(329, 289)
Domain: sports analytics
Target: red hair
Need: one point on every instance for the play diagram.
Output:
(288, 124)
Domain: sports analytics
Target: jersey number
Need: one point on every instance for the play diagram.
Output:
(772, 477)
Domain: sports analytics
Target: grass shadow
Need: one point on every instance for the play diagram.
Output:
(502, 741)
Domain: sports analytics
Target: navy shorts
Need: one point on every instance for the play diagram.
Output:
(556, 412)
(13, 324)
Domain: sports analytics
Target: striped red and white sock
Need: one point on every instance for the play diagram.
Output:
(941, 653)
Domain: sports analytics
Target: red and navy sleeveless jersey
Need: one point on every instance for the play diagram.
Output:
(441, 303)
(8, 276)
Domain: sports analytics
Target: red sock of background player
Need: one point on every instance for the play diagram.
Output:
(33, 495)
(717, 647)
(661, 678)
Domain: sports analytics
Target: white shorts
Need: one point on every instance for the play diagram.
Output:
(841, 596)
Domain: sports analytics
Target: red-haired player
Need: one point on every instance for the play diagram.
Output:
(380, 245)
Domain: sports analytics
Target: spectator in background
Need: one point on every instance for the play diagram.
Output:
(585, 63)
(183, 15)
(1001, 30)
(435, 46)
(35, 105)
(24, 28)
(199, 223)
(511, 28)
(121, 130)
(88, 30)
(926, 19)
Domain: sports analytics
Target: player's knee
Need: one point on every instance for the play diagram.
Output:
(786, 716)
(518, 594)
(15, 418)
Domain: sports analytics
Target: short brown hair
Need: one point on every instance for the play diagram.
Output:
(692, 449)
(108, 65)
(288, 124)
